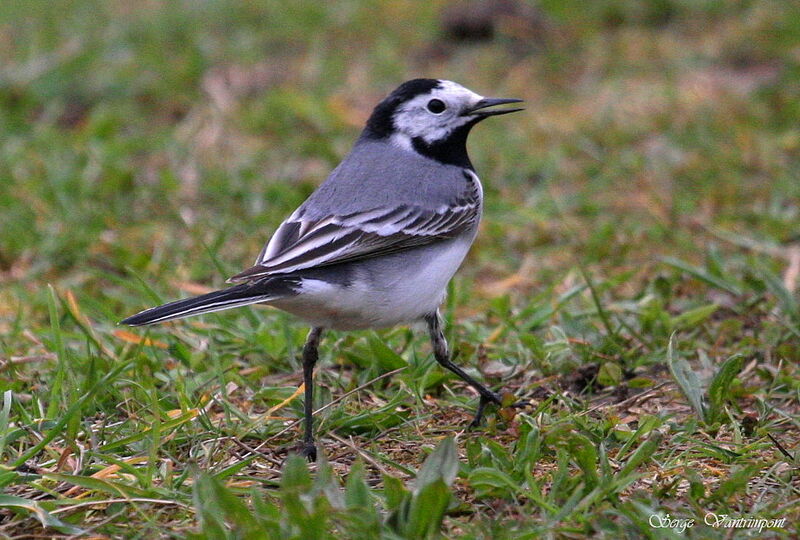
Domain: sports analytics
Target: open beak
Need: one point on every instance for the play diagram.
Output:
(479, 109)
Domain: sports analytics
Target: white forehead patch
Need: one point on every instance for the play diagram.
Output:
(449, 88)
(413, 119)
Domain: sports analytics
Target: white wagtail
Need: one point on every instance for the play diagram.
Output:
(376, 244)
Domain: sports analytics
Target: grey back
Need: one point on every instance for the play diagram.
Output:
(378, 174)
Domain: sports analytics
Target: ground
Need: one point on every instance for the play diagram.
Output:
(634, 282)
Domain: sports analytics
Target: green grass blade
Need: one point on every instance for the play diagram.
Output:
(703, 275)
(74, 409)
(687, 380)
(720, 385)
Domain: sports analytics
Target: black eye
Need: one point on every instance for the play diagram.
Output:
(436, 106)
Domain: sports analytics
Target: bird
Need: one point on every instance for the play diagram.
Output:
(375, 245)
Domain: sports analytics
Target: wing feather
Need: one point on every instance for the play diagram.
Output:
(302, 243)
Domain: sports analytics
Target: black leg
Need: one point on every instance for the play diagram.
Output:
(443, 357)
(310, 357)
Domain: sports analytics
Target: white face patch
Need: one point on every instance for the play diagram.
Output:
(401, 140)
(414, 119)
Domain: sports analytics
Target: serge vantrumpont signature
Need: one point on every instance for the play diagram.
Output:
(718, 521)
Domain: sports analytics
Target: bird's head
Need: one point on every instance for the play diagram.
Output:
(433, 117)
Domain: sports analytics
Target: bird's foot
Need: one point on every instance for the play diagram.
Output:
(508, 410)
(490, 397)
(309, 451)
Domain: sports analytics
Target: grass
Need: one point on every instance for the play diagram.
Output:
(635, 277)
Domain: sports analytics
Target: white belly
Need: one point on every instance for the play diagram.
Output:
(396, 289)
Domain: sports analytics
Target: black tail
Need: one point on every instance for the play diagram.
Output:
(239, 295)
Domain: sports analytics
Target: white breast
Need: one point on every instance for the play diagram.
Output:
(395, 289)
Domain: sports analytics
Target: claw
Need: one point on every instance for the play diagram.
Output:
(485, 400)
(309, 451)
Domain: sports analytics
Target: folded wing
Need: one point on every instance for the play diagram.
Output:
(301, 243)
